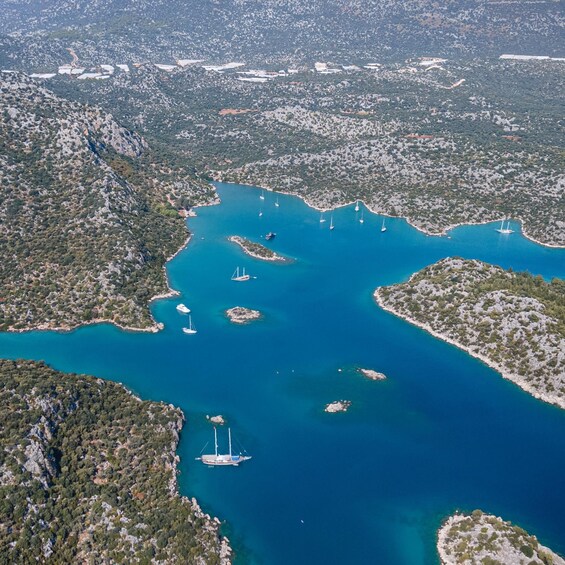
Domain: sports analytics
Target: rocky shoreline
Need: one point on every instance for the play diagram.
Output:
(546, 395)
(127, 458)
(482, 538)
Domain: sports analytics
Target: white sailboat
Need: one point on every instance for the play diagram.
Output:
(183, 309)
(240, 277)
(223, 459)
(262, 197)
(322, 219)
(383, 227)
(260, 213)
(332, 222)
(191, 329)
(504, 230)
(277, 202)
(361, 219)
(357, 206)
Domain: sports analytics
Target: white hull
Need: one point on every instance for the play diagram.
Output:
(241, 279)
(223, 460)
(190, 330)
(182, 308)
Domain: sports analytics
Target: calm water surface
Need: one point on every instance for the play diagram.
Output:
(444, 432)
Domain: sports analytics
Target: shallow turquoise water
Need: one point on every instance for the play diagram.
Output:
(372, 485)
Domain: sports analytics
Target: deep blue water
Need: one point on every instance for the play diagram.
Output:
(444, 432)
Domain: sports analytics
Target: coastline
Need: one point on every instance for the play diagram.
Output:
(441, 538)
(153, 328)
(211, 523)
(510, 537)
(516, 379)
(442, 233)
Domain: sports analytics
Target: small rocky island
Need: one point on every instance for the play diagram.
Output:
(372, 374)
(483, 538)
(514, 322)
(257, 250)
(242, 315)
(338, 406)
(88, 473)
(218, 420)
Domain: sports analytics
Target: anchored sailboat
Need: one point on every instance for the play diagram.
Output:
(332, 222)
(383, 227)
(504, 230)
(322, 219)
(183, 309)
(357, 206)
(361, 219)
(191, 329)
(240, 277)
(277, 202)
(223, 459)
(262, 197)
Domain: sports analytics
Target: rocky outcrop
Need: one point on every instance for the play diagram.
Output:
(241, 315)
(337, 406)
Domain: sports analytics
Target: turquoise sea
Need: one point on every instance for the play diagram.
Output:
(443, 432)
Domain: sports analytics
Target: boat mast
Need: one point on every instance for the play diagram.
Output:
(229, 439)
(215, 442)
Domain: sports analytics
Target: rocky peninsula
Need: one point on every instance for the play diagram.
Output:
(514, 322)
(242, 315)
(88, 472)
(257, 250)
(483, 538)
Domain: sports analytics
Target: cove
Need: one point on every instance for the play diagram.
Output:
(443, 432)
